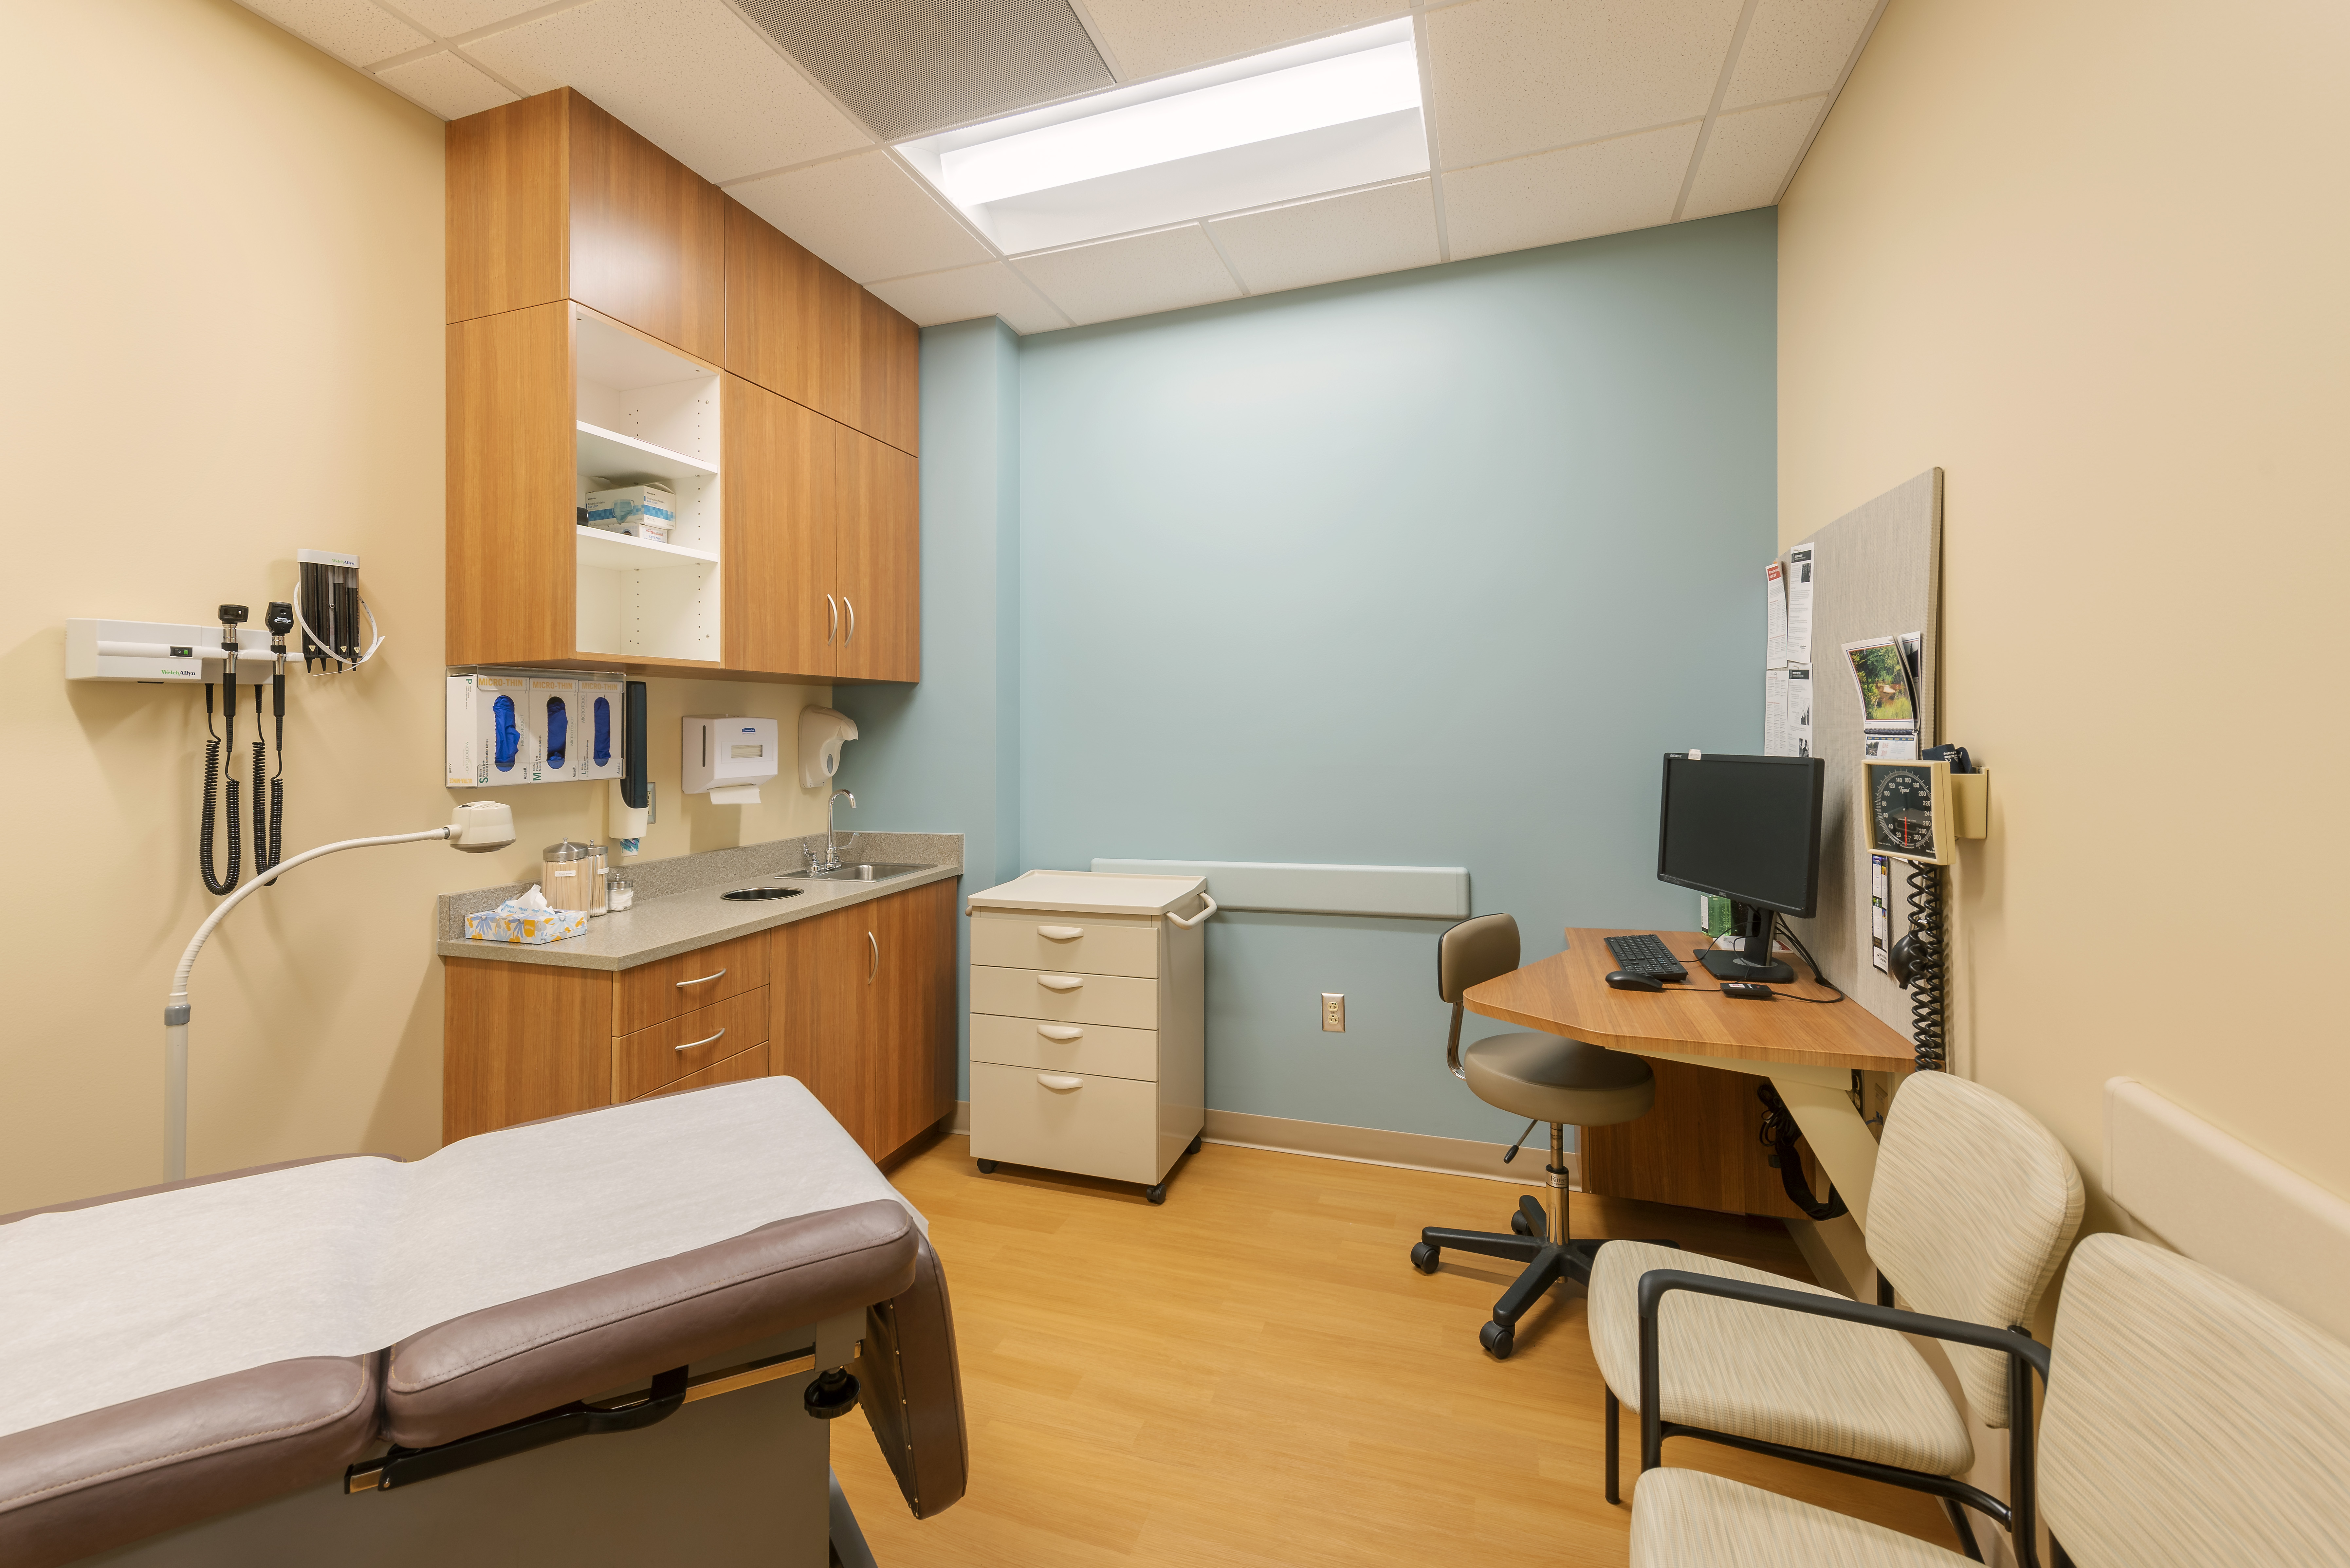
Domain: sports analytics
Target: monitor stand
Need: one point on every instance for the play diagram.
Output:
(1723, 964)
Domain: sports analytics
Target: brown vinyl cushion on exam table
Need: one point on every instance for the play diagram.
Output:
(72, 1488)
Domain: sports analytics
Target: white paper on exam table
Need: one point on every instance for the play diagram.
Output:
(1774, 616)
(348, 1256)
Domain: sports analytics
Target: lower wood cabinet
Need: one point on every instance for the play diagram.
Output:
(858, 1003)
(864, 1003)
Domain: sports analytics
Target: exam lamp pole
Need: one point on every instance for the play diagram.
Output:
(480, 827)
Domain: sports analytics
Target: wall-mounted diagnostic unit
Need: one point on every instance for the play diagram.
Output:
(729, 758)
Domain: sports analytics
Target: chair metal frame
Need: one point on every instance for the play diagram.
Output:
(2019, 1515)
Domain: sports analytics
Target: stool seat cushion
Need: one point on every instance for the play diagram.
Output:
(1766, 1373)
(1550, 1079)
(1687, 1519)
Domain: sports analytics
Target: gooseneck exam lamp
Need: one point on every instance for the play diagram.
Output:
(478, 826)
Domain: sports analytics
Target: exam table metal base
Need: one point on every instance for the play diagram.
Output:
(741, 1480)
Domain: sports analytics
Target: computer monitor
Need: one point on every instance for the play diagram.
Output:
(1747, 829)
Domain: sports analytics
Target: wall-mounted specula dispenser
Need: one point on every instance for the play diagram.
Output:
(632, 792)
(729, 758)
(821, 733)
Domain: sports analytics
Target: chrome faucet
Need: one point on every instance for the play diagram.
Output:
(831, 861)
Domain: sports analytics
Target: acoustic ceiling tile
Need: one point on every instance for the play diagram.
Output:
(1387, 229)
(353, 31)
(1796, 48)
(1515, 76)
(1604, 188)
(446, 85)
(1748, 157)
(1139, 275)
(864, 215)
(1152, 38)
(689, 76)
(967, 294)
(450, 17)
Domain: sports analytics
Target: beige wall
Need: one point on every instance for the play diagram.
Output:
(2094, 260)
(224, 330)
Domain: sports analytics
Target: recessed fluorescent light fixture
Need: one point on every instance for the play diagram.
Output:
(1325, 115)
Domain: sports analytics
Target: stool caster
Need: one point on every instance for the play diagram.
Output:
(1498, 1341)
(987, 1167)
(1423, 1257)
(1156, 1194)
(1518, 1225)
(1193, 1146)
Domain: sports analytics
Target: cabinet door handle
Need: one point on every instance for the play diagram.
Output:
(1060, 982)
(831, 620)
(1060, 1032)
(852, 620)
(703, 980)
(1060, 933)
(1063, 1081)
(876, 968)
(712, 1041)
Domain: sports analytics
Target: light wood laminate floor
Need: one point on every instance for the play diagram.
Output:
(1253, 1374)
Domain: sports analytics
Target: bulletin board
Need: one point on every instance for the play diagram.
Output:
(1876, 572)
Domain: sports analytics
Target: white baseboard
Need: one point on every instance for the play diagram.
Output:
(1367, 1146)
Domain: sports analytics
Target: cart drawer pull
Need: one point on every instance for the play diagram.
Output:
(1060, 982)
(1060, 933)
(1060, 1032)
(1063, 1081)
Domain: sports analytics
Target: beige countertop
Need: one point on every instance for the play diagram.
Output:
(676, 922)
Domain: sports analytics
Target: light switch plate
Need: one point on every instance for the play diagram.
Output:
(1334, 1012)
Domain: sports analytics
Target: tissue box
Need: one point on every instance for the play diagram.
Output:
(534, 926)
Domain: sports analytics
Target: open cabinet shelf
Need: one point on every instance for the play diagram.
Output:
(645, 413)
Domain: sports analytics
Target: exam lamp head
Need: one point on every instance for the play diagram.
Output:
(482, 826)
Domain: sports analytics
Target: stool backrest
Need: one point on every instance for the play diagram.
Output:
(1971, 1209)
(1473, 953)
(2191, 1420)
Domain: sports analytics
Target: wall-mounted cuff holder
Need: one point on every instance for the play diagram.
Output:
(1970, 804)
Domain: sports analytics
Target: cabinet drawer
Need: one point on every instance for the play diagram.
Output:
(750, 1064)
(666, 988)
(646, 1060)
(1060, 997)
(1095, 1048)
(1088, 1125)
(1078, 944)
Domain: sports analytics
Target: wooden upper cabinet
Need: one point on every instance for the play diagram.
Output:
(510, 584)
(800, 328)
(877, 547)
(551, 198)
(780, 532)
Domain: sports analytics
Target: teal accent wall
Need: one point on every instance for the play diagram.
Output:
(1424, 570)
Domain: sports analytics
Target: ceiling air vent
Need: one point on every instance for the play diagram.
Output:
(905, 66)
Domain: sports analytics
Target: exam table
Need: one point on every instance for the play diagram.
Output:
(618, 1336)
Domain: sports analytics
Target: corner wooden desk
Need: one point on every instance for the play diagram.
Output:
(1808, 1052)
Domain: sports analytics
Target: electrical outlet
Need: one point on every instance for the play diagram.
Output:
(1334, 1012)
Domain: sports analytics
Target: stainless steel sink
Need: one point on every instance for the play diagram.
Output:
(867, 871)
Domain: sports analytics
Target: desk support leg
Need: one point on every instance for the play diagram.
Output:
(1839, 1139)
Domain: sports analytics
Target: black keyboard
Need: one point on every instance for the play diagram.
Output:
(1645, 955)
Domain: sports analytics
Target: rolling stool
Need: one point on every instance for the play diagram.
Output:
(1544, 1078)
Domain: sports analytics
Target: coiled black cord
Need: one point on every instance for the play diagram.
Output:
(212, 771)
(1779, 1135)
(1926, 982)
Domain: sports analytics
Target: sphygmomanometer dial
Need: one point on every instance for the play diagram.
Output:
(1902, 805)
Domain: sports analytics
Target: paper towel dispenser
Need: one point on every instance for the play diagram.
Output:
(729, 758)
(821, 733)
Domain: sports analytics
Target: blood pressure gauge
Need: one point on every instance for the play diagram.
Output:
(1909, 814)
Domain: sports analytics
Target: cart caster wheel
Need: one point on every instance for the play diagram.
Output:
(1193, 1146)
(1518, 1223)
(1156, 1194)
(987, 1167)
(1423, 1257)
(1498, 1341)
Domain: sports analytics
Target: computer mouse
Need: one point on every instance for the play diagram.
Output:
(1625, 979)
